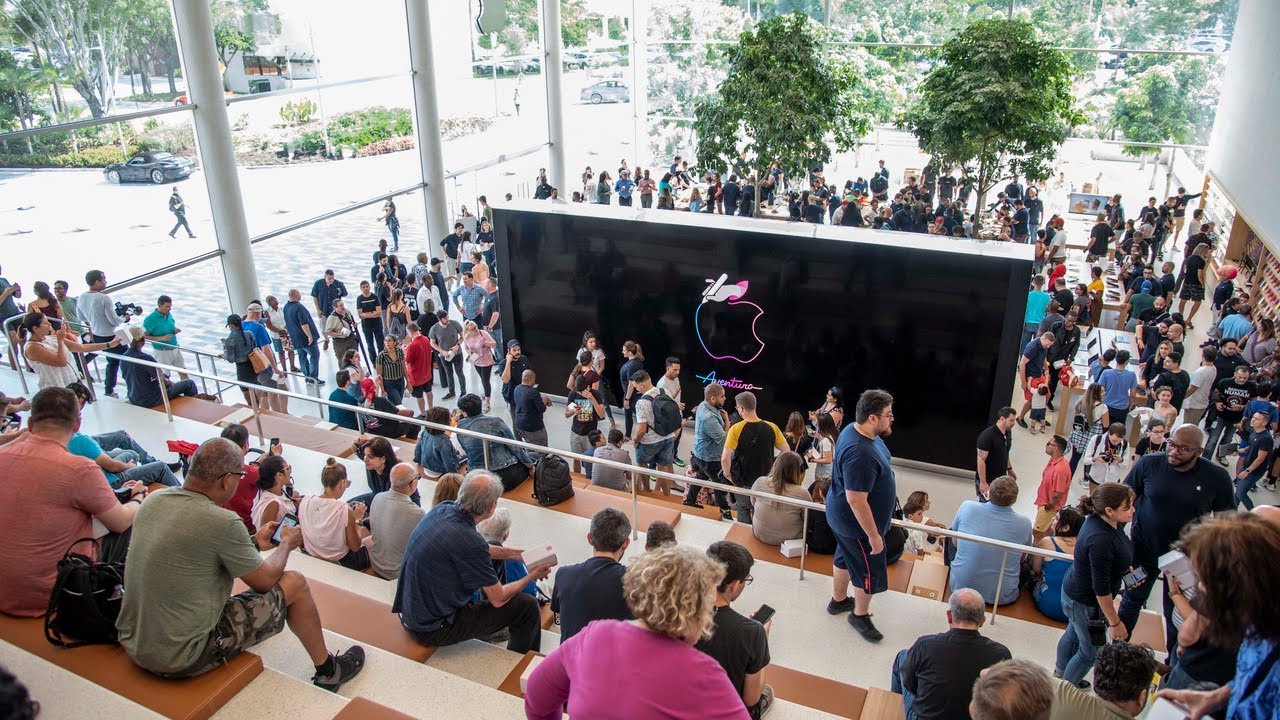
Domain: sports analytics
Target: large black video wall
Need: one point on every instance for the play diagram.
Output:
(783, 315)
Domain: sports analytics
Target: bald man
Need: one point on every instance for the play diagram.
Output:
(392, 519)
(179, 618)
(937, 673)
(528, 406)
(305, 336)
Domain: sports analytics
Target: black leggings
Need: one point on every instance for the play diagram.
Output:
(486, 379)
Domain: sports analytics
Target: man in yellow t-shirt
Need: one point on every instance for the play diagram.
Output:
(752, 442)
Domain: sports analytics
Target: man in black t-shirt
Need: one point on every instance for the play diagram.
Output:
(1231, 395)
(369, 309)
(739, 643)
(935, 675)
(1253, 465)
(1172, 490)
(513, 367)
(586, 407)
(1100, 238)
(994, 444)
(592, 589)
(1228, 358)
(946, 186)
(450, 247)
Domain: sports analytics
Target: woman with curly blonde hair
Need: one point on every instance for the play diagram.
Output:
(609, 669)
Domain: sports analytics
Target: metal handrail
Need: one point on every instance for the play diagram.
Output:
(805, 505)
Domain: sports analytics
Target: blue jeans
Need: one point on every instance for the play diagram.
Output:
(148, 474)
(1244, 486)
(309, 359)
(1076, 651)
(1028, 332)
(121, 440)
(895, 684)
(655, 455)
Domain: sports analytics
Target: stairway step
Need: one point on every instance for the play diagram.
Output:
(475, 660)
(276, 696)
(62, 694)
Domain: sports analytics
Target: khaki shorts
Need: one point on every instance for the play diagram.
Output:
(1044, 520)
(247, 619)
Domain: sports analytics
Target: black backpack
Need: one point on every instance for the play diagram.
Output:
(85, 601)
(666, 413)
(552, 483)
(753, 456)
(895, 541)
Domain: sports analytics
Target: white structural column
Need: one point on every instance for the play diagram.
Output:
(427, 116)
(553, 71)
(639, 81)
(1244, 156)
(217, 154)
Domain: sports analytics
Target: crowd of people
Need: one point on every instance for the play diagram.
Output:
(1139, 500)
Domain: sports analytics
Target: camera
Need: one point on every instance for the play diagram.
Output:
(124, 310)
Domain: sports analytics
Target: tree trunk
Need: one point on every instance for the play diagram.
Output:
(977, 213)
(169, 73)
(133, 90)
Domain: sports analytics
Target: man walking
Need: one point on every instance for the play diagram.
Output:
(994, 445)
(324, 291)
(304, 335)
(860, 508)
(179, 210)
(98, 311)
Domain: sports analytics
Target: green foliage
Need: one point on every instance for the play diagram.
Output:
(96, 156)
(309, 142)
(231, 40)
(1151, 108)
(297, 112)
(178, 139)
(973, 111)
(359, 128)
(793, 112)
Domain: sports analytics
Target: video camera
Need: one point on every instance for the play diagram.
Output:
(125, 310)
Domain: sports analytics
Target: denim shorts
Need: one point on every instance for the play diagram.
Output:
(659, 453)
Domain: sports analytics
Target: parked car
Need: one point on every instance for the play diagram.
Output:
(575, 61)
(606, 91)
(156, 167)
(1211, 44)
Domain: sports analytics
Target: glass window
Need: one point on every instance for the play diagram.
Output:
(1196, 25)
(699, 20)
(896, 21)
(104, 206)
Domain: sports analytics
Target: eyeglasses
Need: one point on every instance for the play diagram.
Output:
(1183, 448)
(748, 581)
(237, 474)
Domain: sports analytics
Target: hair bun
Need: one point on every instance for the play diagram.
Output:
(330, 462)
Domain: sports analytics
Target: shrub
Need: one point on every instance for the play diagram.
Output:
(382, 147)
(456, 127)
(297, 113)
(176, 139)
(359, 128)
(309, 143)
(89, 157)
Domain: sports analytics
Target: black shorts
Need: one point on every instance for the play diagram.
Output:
(869, 572)
(421, 390)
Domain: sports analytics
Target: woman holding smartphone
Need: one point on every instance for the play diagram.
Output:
(331, 528)
(1103, 556)
(275, 491)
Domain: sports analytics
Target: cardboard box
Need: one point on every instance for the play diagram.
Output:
(524, 676)
(544, 555)
(792, 548)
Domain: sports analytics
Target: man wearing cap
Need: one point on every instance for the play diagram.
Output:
(253, 325)
(143, 383)
(324, 291)
(513, 367)
(437, 281)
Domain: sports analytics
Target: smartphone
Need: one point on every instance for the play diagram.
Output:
(1134, 578)
(275, 442)
(289, 519)
(764, 614)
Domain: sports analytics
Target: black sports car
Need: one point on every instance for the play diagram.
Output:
(156, 167)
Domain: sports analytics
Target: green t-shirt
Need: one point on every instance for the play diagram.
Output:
(1138, 302)
(1070, 703)
(157, 325)
(184, 553)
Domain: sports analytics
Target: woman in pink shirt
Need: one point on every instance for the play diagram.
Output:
(611, 668)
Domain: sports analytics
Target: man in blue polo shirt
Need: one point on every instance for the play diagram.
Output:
(447, 561)
(324, 291)
(1031, 370)
(860, 508)
(1117, 383)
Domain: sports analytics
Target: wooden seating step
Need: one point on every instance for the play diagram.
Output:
(586, 502)
(815, 692)
(742, 534)
(203, 411)
(293, 431)
(883, 705)
(195, 698)
(404, 448)
(511, 683)
(362, 619)
(675, 502)
(308, 420)
(362, 708)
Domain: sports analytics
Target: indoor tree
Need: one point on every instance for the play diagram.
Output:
(783, 99)
(998, 103)
(1152, 108)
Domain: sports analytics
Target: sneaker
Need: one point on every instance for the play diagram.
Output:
(174, 468)
(834, 607)
(345, 666)
(486, 404)
(1270, 485)
(1023, 424)
(319, 381)
(1084, 685)
(726, 514)
(692, 504)
(450, 396)
(111, 394)
(862, 623)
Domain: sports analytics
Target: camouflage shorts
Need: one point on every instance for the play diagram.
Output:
(247, 619)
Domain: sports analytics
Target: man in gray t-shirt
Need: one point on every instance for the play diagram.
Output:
(392, 519)
(446, 338)
(609, 477)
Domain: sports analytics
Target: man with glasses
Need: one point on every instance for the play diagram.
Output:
(738, 642)
(1172, 490)
(860, 508)
(395, 515)
(179, 618)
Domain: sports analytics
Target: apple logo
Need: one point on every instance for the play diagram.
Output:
(728, 318)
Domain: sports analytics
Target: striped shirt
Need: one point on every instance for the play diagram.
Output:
(390, 368)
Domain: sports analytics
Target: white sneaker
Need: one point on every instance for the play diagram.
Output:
(486, 404)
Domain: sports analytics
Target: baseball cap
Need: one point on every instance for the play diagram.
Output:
(436, 261)
(512, 343)
(253, 308)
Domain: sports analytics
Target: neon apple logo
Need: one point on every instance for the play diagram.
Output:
(719, 292)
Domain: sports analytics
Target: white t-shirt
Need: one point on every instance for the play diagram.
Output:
(821, 446)
(426, 300)
(1038, 401)
(275, 317)
(1203, 378)
(671, 386)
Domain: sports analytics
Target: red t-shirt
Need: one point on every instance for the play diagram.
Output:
(1059, 271)
(48, 498)
(1055, 480)
(417, 361)
(242, 502)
